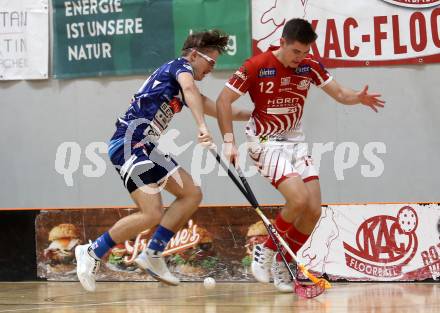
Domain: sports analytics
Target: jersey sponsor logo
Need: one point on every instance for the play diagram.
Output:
(176, 105)
(160, 122)
(304, 84)
(267, 72)
(384, 244)
(282, 101)
(285, 89)
(303, 69)
(414, 3)
(285, 81)
(286, 110)
(241, 74)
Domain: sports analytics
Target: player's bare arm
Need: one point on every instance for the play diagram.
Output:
(224, 116)
(348, 96)
(238, 114)
(194, 101)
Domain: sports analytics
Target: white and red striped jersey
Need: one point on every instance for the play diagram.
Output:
(278, 93)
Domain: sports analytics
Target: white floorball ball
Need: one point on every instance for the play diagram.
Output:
(209, 283)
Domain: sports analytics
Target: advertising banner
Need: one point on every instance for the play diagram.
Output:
(356, 33)
(24, 39)
(371, 242)
(376, 242)
(126, 37)
(232, 17)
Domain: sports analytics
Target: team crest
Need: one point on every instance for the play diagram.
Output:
(241, 74)
(304, 84)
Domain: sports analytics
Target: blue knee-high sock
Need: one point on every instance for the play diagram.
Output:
(160, 239)
(101, 245)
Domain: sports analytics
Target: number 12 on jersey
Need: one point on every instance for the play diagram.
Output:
(266, 87)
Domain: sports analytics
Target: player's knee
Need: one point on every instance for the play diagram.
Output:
(299, 202)
(191, 195)
(152, 216)
(196, 195)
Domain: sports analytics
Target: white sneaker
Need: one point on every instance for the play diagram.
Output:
(153, 262)
(261, 261)
(86, 267)
(281, 276)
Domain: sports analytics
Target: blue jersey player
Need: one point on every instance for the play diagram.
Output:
(144, 170)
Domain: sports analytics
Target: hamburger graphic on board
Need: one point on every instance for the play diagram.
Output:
(192, 253)
(121, 257)
(256, 234)
(60, 255)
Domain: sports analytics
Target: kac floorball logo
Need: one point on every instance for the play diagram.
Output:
(384, 244)
(419, 4)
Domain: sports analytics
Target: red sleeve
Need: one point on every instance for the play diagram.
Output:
(241, 80)
(320, 76)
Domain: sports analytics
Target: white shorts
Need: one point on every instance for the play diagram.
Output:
(278, 161)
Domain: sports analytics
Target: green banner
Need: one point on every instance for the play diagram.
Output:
(125, 37)
(231, 16)
(118, 37)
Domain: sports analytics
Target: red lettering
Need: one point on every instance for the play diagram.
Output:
(398, 48)
(315, 51)
(350, 23)
(434, 27)
(385, 243)
(425, 257)
(368, 234)
(331, 40)
(418, 18)
(379, 35)
(433, 253)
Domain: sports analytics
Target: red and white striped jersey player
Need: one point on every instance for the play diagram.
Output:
(278, 82)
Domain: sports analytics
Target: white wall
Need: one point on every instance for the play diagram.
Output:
(36, 117)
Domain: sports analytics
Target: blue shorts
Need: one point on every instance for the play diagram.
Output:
(143, 165)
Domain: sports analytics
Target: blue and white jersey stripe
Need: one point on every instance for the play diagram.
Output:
(150, 112)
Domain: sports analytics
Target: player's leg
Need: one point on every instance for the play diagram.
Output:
(274, 164)
(89, 255)
(150, 213)
(140, 176)
(188, 197)
(305, 222)
(297, 198)
(290, 170)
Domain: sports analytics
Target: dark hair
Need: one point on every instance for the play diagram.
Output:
(300, 30)
(206, 40)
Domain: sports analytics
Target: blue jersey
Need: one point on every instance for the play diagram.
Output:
(152, 107)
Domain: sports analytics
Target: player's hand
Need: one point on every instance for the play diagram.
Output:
(204, 137)
(230, 152)
(371, 100)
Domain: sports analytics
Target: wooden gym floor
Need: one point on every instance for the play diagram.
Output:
(110, 297)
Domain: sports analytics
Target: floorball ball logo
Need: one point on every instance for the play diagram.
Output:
(415, 3)
(384, 244)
